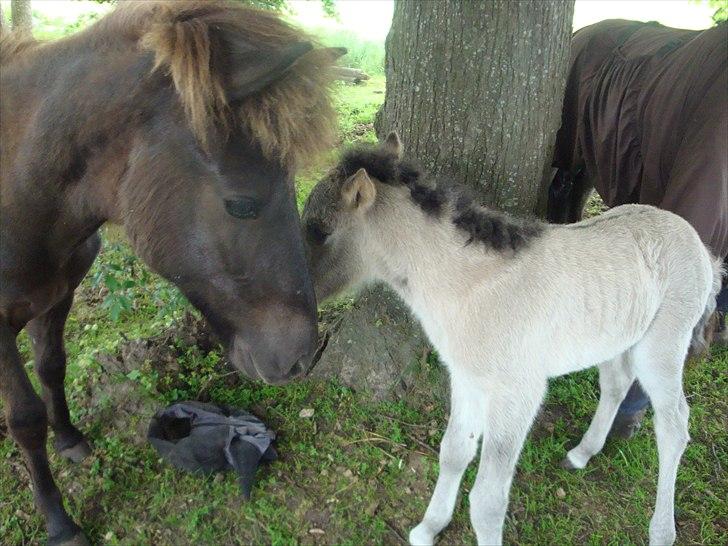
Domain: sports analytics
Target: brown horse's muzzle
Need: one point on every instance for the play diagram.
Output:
(279, 351)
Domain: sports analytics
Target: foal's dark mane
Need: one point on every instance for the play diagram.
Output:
(494, 229)
(292, 118)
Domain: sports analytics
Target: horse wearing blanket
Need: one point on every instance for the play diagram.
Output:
(627, 291)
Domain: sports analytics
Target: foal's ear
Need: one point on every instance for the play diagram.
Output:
(252, 69)
(359, 192)
(393, 144)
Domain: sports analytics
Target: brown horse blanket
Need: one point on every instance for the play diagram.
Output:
(646, 116)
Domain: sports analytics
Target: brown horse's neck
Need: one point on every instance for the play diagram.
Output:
(79, 106)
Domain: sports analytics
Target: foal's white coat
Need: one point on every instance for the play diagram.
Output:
(622, 291)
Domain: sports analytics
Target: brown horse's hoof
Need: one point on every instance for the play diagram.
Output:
(626, 426)
(76, 453)
(79, 539)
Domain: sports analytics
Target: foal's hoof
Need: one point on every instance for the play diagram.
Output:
(566, 464)
(421, 536)
(76, 540)
(76, 453)
(664, 536)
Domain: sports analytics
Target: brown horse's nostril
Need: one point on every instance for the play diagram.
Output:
(297, 369)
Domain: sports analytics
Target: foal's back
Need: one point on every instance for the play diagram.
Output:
(584, 293)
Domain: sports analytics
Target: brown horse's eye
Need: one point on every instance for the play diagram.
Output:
(246, 207)
(316, 233)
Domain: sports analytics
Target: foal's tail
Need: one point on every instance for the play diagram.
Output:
(699, 343)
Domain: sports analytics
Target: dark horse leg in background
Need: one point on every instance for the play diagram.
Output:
(567, 196)
(46, 333)
(26, 414)
(722, 309)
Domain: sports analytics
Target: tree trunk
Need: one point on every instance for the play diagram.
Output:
(474, 89)
(20, 15)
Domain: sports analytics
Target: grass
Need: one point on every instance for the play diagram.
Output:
(353, 473)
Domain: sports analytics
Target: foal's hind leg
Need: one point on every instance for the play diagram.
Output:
(27, 422)
(615, 378)
(46, 333)
(658, 364)
(457, 449)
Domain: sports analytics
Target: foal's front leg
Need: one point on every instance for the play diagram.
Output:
(26, 418)
(510, 413)
(457, 449)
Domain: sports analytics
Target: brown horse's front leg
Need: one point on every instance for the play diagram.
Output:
(581, 191)
(26, 418)
(46, 333)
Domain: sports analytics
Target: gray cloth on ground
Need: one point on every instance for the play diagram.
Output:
(200, 437)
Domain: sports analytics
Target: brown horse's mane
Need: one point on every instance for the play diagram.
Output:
(292, 119)
(12, 43)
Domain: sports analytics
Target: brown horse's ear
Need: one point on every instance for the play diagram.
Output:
(393, 143)
(252, 69)
(359, 192)
(334, 52)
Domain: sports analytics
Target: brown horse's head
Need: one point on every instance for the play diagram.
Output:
(237, 100)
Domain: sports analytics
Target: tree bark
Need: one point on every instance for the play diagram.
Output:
(474, 90)
(20, 14)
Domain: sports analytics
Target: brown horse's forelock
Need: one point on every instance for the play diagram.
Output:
(291, 119)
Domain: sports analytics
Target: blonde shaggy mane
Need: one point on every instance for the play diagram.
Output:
(292, 119)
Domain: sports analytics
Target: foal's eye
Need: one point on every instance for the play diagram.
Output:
(245, 207)
(316, 233)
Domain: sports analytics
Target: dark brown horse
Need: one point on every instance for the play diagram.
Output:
(645, 120)
(184, 122)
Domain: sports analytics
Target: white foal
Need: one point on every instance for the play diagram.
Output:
(509, 304)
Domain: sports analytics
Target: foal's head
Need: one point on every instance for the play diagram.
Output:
(374, 208)
(236, 99)
(339, 214)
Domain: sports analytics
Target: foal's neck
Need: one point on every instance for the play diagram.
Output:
(425, 258)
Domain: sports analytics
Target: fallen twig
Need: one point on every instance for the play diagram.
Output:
(374, 439)
(394, 530)
(403, 422)
(429, 448)
(343, 489)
